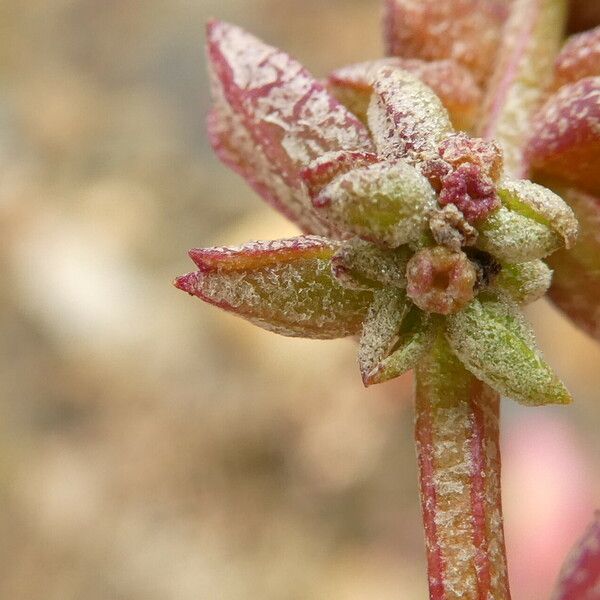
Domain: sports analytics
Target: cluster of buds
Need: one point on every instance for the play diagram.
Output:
(414, 231)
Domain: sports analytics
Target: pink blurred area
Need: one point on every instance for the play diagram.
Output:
(154, 448)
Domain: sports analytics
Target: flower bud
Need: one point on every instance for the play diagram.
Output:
(441, 280)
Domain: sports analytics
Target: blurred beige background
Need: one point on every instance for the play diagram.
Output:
(152, 448)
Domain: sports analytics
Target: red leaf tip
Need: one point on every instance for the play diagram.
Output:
(187, 283)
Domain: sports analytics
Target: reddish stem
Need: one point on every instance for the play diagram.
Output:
(459, 464)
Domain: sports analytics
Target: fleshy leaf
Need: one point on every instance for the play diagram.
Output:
(392, 344)
(363, 265)
(565, 137)
(452, 83)
(385, 202)
(467, 31)
(512, 237)
(324, 169)
(524, 282)
(285, 286)
(579, 58)
(271, 118)
(531, 39)
(576, 282)
(381, 329)
(406, 118)
(493, 341)
(580, 576)
(541, 204)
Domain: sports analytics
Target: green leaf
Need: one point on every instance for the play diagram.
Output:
(385, 203)
(542, 205)
(512, 237)
(362, 265)
(395, 337)
(524, 282)
(285, 286)
(493, 341)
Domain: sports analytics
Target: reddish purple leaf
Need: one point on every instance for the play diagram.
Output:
(285, 286)
(406, 118)
(580, 576)
(579, 58)
(326, 168)
(565, 136)
(576, 281)
(467, 31)
(453, 84)
(271, 118)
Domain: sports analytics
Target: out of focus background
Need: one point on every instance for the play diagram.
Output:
(152, 448)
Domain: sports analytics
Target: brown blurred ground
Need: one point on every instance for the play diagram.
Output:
(153, 448)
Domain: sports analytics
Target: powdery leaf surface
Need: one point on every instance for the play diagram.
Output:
(530, 40)
(285, 286)
(524, 282)
(493, 341)
(541, 204)
(381, 329)
(384, 202)
(327, 167)
(580, 576)
(565, 136)
(512, 237)
(579, 58)
(360, 264)
(453, 84)
(467, 31)
(271, 118)
(407, 120)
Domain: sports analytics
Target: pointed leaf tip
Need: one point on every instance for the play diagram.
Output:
(186, 283)
(492, 340)
(284, 286)
(271, 118)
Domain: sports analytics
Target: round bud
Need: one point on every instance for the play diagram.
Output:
(440, 280)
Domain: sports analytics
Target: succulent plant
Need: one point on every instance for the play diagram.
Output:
(420, 238)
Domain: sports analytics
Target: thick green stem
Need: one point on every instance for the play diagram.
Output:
(459, 465)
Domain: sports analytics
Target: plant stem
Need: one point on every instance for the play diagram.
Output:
(458, 453)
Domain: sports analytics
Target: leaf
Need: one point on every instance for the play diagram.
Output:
(513, 237)
(524, 282)
(452, 83)
(564, 144)
(493, 341)
(363, 265)
(381, 329)
(285, 286)
(406, 118)
(395, 337)
(576, 282)
(271, 118)
(386, 203)
(580, 576)
(541, 204)
(531, 39)
(467, 31)
(579, 58)
(326, 168)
